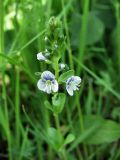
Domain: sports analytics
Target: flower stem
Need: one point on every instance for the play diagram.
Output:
(56, 67)
(57, 122)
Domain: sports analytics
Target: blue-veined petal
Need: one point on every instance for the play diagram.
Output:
(41, 85)
(47, 83)
(54, 86)
(47, 75)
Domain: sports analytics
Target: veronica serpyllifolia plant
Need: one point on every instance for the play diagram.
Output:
(58, 73)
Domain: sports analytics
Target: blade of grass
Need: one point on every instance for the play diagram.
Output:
(102, 82)
(67, 35)
(23, 146)
(41, 132)
(15, 41)
(82, 41)
(81, 122)
(83, 136)
(117, 7)
(32, 40)
(4, 94)
(65, 9)
(14, 62)
(1, 28)
(17, 107)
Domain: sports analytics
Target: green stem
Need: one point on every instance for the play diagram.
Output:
(6, 116)
(56, 67)
(57, 122)
(81, 123)
(4, 94)
(72, 128)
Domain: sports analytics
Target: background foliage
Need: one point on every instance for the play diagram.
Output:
(27, 127)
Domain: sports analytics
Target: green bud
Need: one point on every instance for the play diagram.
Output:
(53, 23)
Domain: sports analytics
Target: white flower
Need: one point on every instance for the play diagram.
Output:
(41, 57)
(47, 53)
(46, 38)
(47, 83)
(56, 46)
(72, 84)
(62, 66)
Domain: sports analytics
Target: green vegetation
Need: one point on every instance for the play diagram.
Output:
(35, 125)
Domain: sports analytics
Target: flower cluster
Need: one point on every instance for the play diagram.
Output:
(49, 84)
(54, 42)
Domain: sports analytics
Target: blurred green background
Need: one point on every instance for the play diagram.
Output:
(92, 30)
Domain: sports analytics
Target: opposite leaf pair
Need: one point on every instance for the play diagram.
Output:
(49, 84)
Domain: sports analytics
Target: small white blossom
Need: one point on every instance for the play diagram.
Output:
(47, 53)
(46, 38)
(47, 83)
(62, 66)
(56, 46)
(46, 50)
(41, 57)
(73, 84)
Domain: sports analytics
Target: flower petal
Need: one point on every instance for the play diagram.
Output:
(54, 86)
(69, 80)
(41, 57)
(47, 75)
(77, 79)
(69, 90)
(41, 85)
(48, 89)
(72, 84)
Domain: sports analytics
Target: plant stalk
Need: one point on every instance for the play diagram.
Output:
(4, 94)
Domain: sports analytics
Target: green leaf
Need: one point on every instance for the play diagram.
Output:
(116, 113)
(95, 29)
(55, 138)
(97, 130)
(58, 101)
(88, 131)
(63, 77)
(69, 139)
(108, 131)
(107, 17)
